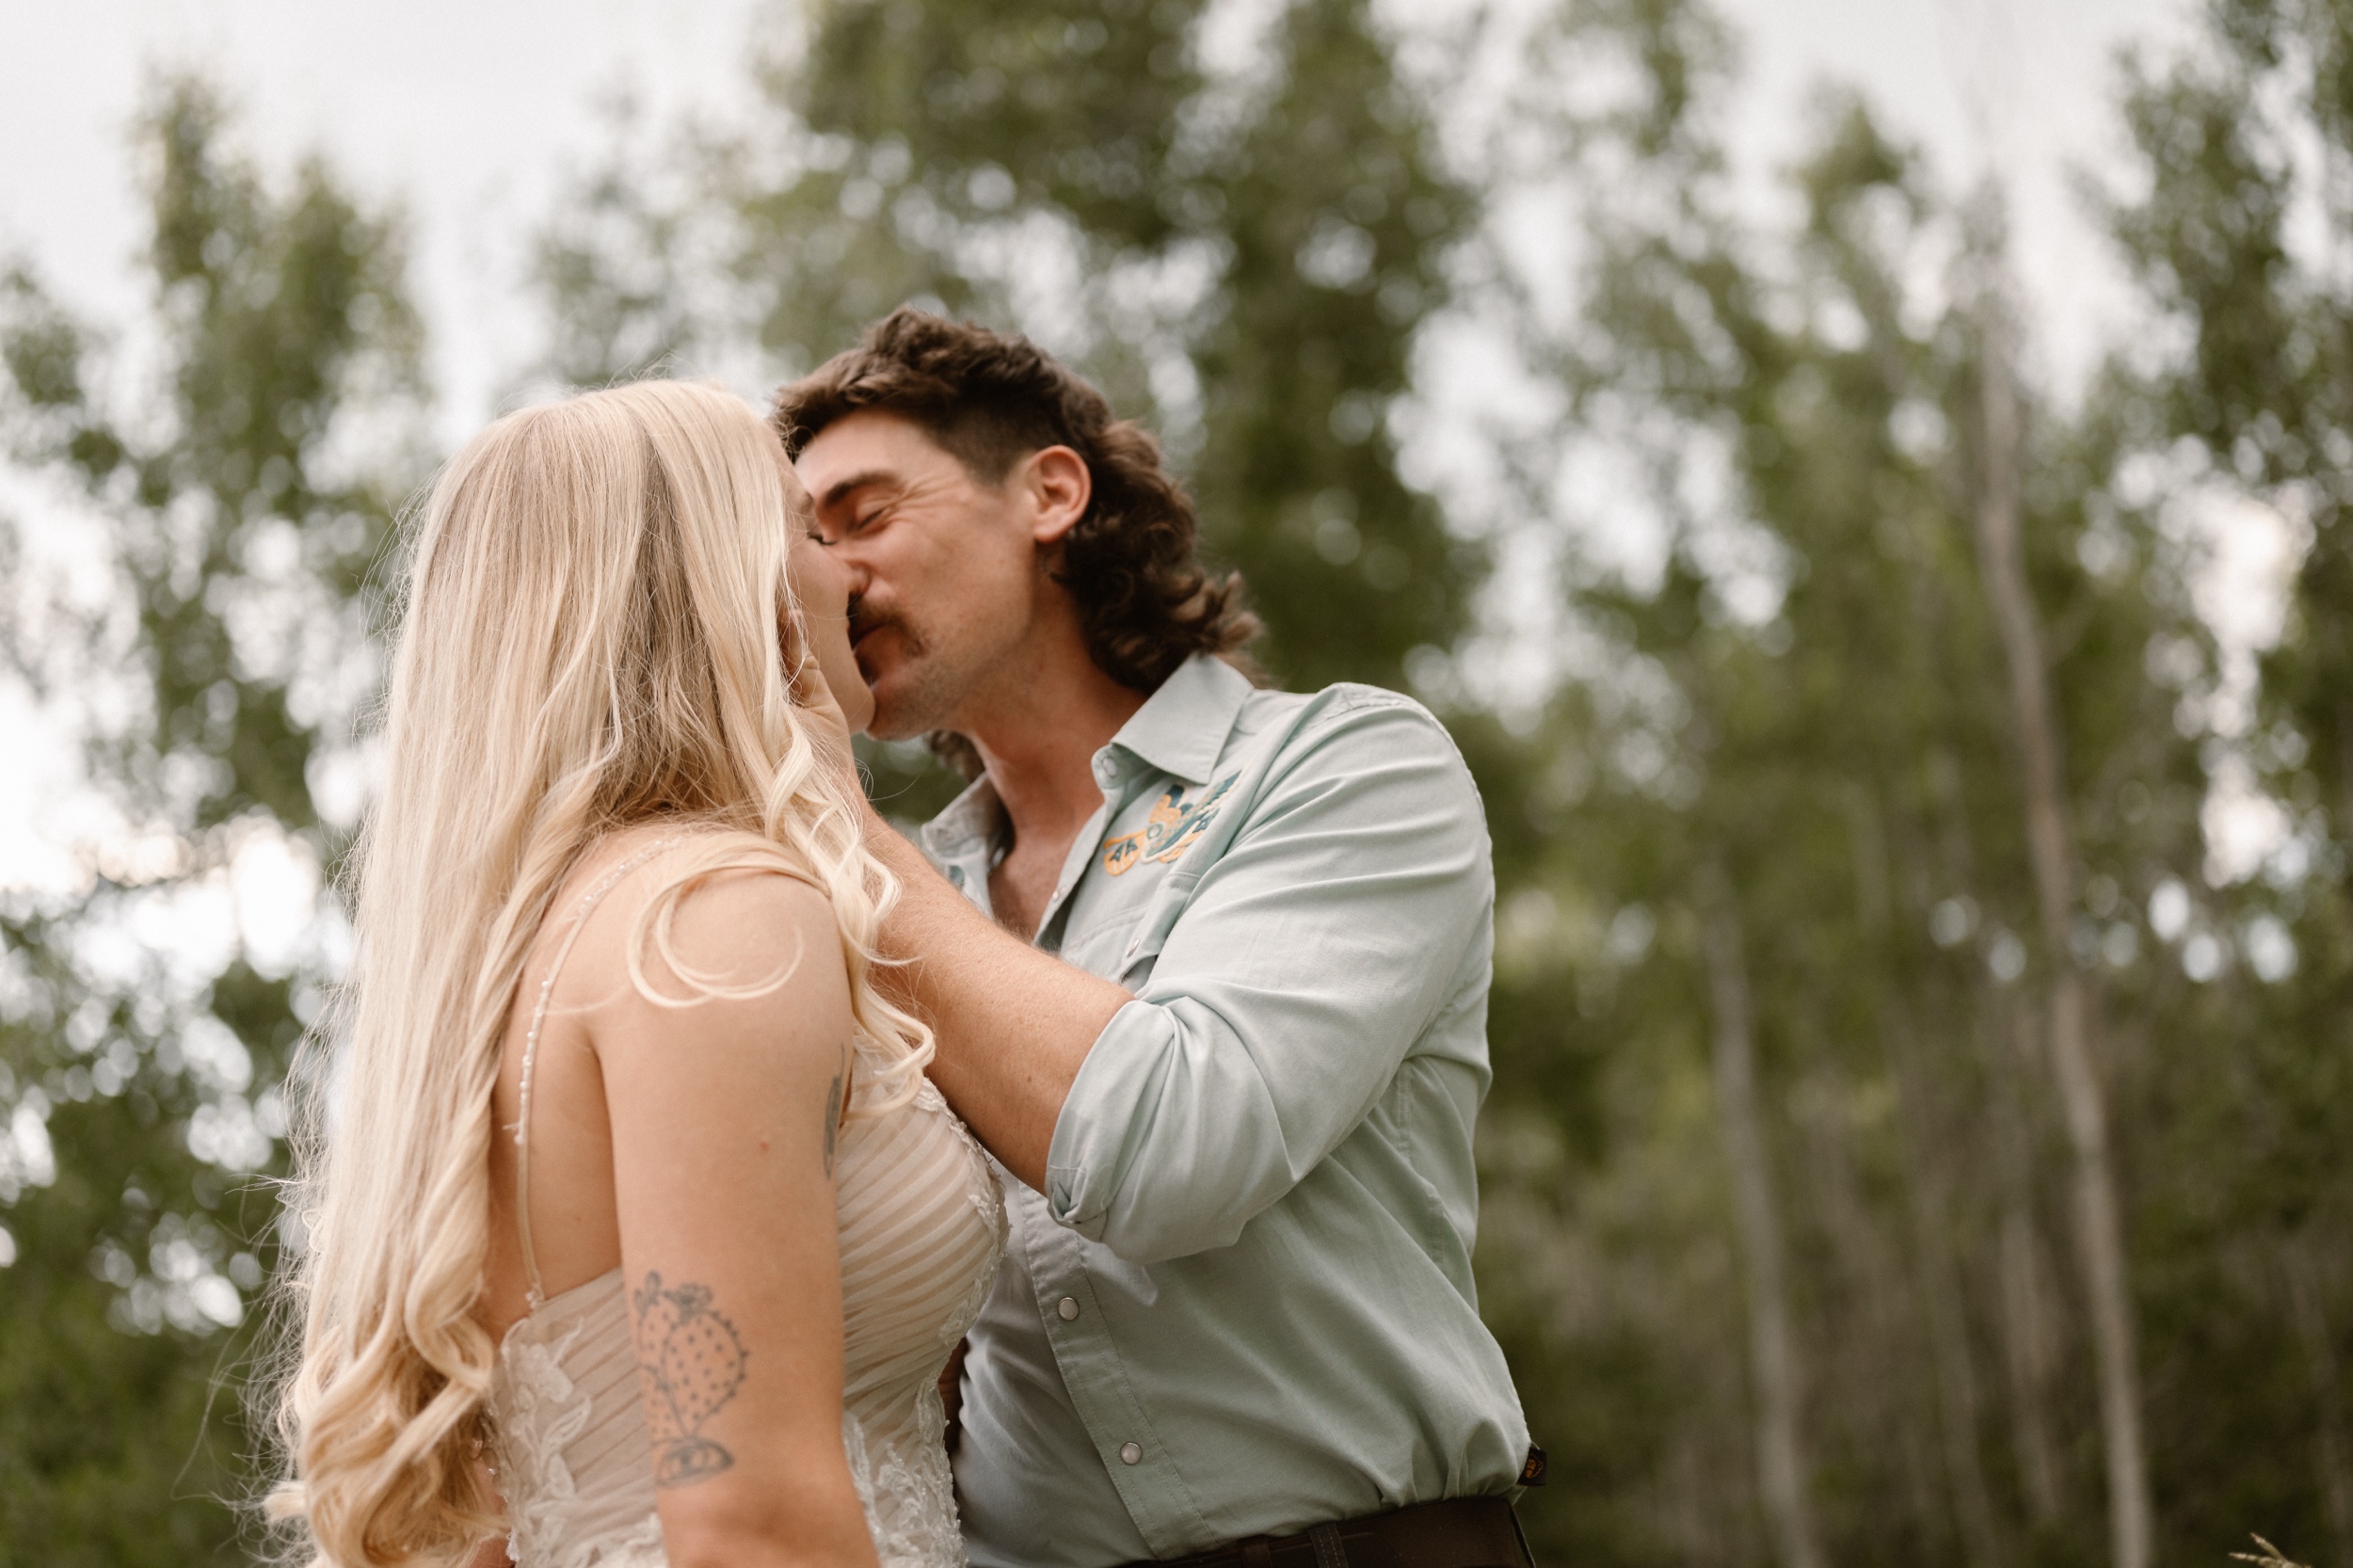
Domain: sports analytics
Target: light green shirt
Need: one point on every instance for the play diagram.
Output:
(1244, 1305)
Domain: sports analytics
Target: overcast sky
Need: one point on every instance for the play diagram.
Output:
(468, 112)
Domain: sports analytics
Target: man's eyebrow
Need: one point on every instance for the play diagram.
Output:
(841, 489)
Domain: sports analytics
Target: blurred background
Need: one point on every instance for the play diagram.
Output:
(1861, 481)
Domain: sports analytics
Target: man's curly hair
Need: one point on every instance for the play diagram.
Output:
(1145, 603)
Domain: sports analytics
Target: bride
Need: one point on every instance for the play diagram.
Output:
(634, 1234)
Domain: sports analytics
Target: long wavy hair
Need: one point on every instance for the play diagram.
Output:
(598, 632)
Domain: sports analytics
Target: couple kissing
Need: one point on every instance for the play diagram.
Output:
(698, 1172)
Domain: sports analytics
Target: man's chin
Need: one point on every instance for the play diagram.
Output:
(895, 720)
(908, 699)
(880, 728)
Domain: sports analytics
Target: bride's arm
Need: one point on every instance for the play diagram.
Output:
(724, 1115)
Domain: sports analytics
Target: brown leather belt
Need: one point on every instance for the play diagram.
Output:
(1460, 1532)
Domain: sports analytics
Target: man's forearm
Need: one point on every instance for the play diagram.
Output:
(1015, 1024)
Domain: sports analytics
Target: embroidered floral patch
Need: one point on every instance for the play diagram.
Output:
(1174, 823)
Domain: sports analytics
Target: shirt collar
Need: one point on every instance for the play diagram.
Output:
(970, 822)
(1181, 728)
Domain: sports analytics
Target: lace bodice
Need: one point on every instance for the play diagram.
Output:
(921, 1229)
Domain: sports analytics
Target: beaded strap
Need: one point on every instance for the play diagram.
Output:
(536, 1297)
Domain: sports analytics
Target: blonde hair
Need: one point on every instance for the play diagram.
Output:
(593, 638)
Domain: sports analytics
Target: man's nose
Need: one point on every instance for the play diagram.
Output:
(855, 567)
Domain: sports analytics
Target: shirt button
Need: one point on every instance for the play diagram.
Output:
(1068, 1309)
(1105, 770)
(1130, 1454)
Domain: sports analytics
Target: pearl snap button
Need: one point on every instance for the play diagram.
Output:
(1068, 1309)
(1130, 1454)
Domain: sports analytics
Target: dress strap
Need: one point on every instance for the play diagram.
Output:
(536, 1297)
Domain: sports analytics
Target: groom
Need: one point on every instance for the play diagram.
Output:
(1209, 965)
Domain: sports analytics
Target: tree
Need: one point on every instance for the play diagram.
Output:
(2038, 739)
(1784, 1175)
(2241, 134)
(239, 516)
(1798, 717)
(1243, 259)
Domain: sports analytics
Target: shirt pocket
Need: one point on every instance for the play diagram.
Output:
(1099, 948)
(1141, 954)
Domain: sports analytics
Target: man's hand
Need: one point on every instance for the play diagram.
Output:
(821, 711)
(1013, 1024)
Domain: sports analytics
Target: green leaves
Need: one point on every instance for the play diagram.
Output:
(1336, 221)
(1810, 687)
(239, 521)
(1245, 245)
(1075, 105)
(1241, 254)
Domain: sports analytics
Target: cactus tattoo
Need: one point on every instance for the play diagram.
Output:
(692, 1362)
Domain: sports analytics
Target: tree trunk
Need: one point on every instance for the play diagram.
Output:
(2308, 1308)
(2345, 768)
(1922, 1147)
(2030, 1336)
(1780, 1455)
(1871, 1312)
(1941, 1298)
(2099, 1242)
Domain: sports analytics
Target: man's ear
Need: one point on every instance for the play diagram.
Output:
(1055, 482)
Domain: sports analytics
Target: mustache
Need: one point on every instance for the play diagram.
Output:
(866, 616)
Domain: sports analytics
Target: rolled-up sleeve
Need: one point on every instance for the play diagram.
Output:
(1310, 955)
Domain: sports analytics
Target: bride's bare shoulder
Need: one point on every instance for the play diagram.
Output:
(726, 925)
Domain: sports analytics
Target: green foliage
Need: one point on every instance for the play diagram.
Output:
(1338, 221)
(929, 125)
(1267, 246)
(2265, 391)
(1811, 688)
(239, 519)
(2235, 135)
(1804, 688)
(1790, 677)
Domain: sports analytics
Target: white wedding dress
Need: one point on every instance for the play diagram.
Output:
(921, 1227)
